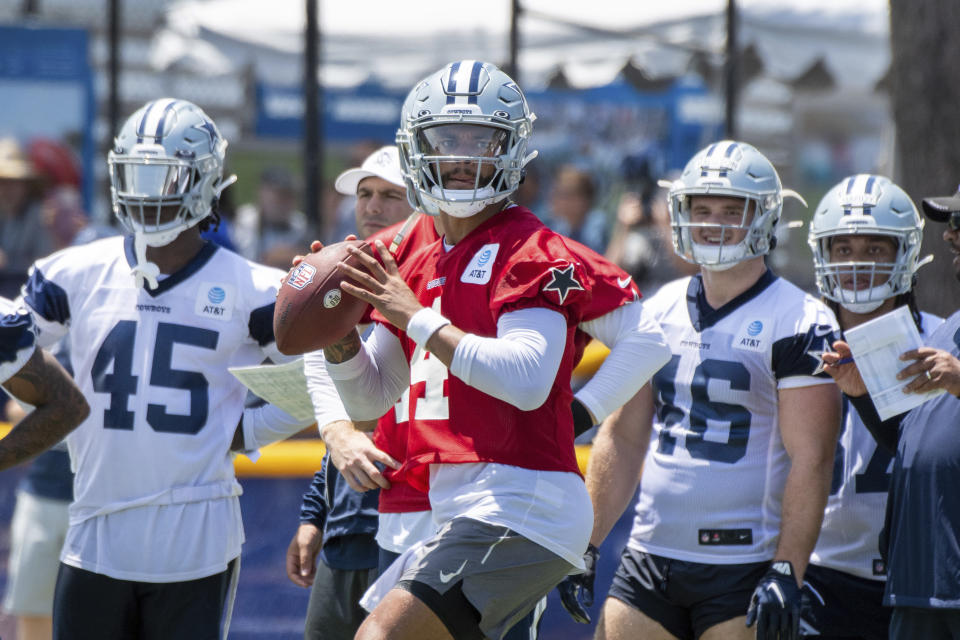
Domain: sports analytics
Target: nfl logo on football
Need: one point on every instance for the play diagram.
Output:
(302, 275)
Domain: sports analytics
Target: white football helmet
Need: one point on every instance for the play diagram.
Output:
(732, 169)
(866, 205)
(463, 139)
(166, 170)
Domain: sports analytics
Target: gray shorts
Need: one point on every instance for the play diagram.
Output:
(37, 530)
(500, 573)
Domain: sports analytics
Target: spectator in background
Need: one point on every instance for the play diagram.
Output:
(23, 236)
(37, 531)
(272, 229)
(571, 209)
(39, 523)
(58, 174)
(530, 192)
(339, 218)
(337, 522)
(641, 243)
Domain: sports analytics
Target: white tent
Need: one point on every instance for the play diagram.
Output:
(396, 43)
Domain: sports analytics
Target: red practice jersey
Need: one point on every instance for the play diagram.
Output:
(391, 436)
(510, 262)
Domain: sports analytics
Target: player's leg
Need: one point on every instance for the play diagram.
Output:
(36, 536)
(195, 609)
(719, 595)
(733, 629)
(477, 580)
(334, 612)
(639, 602)
(92, 606)
(403, 616)
(620, 621)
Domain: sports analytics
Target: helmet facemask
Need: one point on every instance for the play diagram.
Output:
(463, 139)
(166, 173)
(861, 287)
(156, 197)
(735, 170)
(865, 206)
(755, 220)
(462, 166)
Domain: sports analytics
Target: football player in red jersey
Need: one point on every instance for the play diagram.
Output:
(496, 303)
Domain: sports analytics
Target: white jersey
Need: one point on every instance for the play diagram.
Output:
(155, 497)
(714, 474)
(18, 339)
(857, 503)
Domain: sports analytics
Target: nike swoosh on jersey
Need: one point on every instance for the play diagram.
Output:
(623, 282)
(822, 330)
(447, 577)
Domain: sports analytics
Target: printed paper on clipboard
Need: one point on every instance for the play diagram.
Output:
(876, 346)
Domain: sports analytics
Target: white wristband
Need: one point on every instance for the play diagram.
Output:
(424, 324)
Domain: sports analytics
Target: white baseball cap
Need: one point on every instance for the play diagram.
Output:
(382, 163)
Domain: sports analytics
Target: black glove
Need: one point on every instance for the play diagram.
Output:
(576, 592)
(775, 604)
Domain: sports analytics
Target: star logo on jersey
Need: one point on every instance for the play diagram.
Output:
(563, 281)
(818, 354)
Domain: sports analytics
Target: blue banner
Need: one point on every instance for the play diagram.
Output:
(46, 89)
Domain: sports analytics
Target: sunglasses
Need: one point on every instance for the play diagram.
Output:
(954, 220)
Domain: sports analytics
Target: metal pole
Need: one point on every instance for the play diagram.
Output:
(730, 71)
(113, 72)
(312, 118)
(513, 64)
(31, 8)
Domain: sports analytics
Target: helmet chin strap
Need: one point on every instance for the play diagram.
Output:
(875, 296)
(460, 203)
(709, 256)
(144, 271)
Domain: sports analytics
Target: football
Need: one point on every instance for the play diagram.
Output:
(312, 310)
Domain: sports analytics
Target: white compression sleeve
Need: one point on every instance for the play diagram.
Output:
(520, 365)
(371, 381)
(327, 406)
(268, 423)
(637, 351)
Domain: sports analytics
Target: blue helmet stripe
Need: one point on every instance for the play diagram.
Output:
(163, 117)
(452, 82)
(850, 182)
(474, 82)
(730, 150)
(870, 182)
(710, 150)
(141, 126)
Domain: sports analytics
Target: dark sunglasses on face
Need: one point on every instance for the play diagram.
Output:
(954, 220)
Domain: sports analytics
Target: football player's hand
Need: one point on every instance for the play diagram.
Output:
(775, 604)
(843, 370)
(932, 369)
(302, 554)
(315, 246)
(354, 455)
(381, 286)
(576, 592)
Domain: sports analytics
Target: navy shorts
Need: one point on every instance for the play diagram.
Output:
(686, 598)
(92, 606)
(848, 607)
